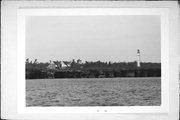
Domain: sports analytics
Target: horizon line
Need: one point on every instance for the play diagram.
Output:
(83, 61)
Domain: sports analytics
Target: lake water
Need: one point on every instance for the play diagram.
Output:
(94, 92)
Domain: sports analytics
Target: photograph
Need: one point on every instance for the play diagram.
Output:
(98, 60)
(105, 60)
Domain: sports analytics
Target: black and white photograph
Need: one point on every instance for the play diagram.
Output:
(93, 60)
(90, 60)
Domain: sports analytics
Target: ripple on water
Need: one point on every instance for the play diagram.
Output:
(94, 92)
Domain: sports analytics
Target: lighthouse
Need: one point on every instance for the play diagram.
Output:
(138, 58)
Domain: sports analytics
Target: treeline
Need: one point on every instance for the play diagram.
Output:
(120, 65)
(89, 69)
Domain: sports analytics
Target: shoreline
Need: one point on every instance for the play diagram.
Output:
(95, 78)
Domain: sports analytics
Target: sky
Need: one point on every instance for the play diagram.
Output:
(93, 38)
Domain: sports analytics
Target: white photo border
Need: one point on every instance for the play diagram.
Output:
(22, 13)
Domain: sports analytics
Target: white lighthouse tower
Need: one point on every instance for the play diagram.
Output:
(138, 59)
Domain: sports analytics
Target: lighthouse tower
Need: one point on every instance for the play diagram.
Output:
(138, 58)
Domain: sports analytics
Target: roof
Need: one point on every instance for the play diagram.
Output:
(52, 66)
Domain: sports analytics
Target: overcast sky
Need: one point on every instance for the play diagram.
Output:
(92, 38)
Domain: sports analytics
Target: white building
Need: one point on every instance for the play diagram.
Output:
(51, 66)
(138, 58)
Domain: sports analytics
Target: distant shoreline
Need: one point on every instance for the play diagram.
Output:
(96, 78)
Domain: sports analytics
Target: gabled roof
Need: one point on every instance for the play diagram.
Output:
(52, 66)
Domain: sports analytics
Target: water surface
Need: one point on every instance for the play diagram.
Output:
(94, 92)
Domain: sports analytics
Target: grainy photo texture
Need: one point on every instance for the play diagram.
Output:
(93, 60)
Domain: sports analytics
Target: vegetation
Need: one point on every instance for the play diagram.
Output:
(97, 69)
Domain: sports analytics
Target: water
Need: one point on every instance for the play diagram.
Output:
(94, 92)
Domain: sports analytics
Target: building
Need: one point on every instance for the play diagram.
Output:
(51, 66)
(138, 59)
